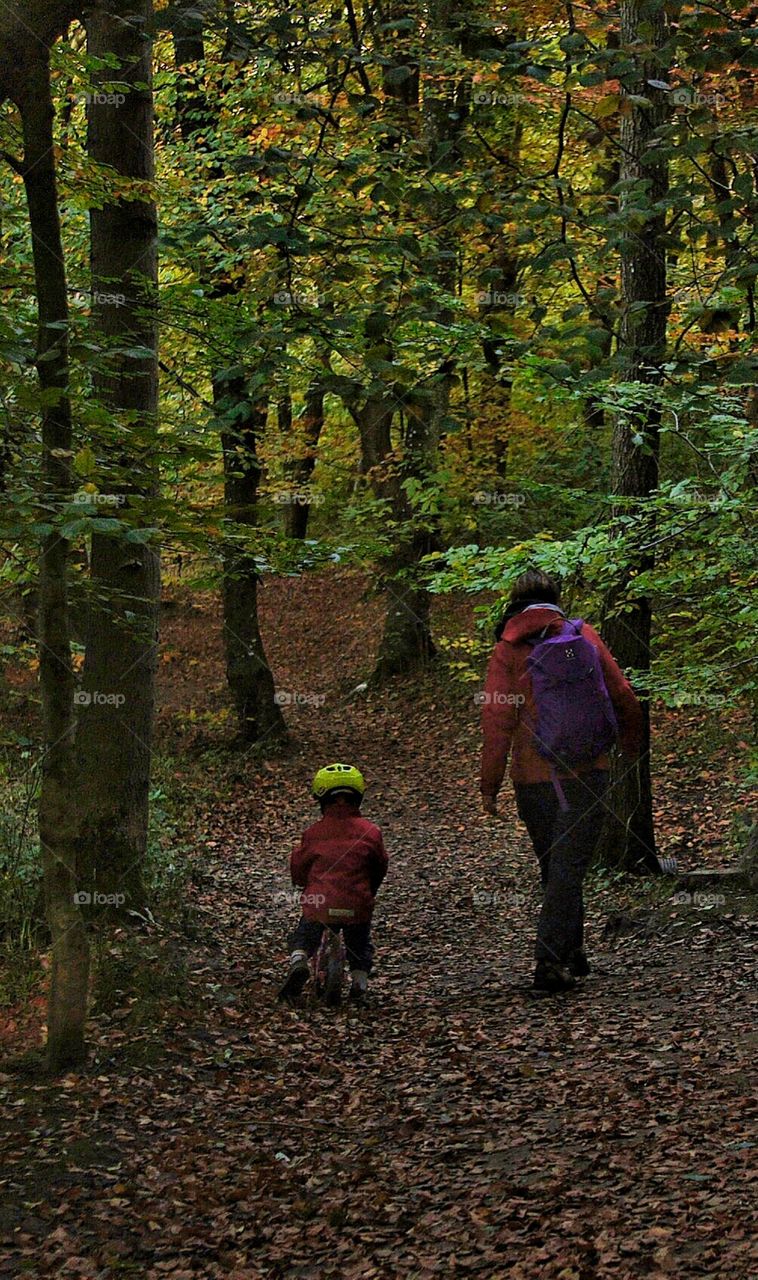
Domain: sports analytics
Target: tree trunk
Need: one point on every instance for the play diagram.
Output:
(406, 642)
(69, 977)
(496, 296)
(118, 679)
(250, 680)
(251, 683)
(189, 49)
(628, 836)
(606, 173)
(299, 473)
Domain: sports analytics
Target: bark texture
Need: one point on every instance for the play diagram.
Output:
(67, 997)
(116, 712)
(433, 121)
(628, 837)
(250, 680)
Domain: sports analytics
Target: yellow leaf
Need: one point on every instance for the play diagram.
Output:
(84, 461)
(607, 106)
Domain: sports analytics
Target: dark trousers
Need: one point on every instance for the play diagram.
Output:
(564, 842)
(358, 946)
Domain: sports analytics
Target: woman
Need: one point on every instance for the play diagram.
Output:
(561, 805)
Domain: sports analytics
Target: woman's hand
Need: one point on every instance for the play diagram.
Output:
(489, 805)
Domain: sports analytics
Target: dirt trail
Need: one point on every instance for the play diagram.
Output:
(455, 1126)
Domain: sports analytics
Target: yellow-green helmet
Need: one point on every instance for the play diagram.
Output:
(333, 777)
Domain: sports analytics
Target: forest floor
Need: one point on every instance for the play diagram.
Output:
(454, 1126)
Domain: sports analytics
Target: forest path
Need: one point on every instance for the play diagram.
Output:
(455, 1126)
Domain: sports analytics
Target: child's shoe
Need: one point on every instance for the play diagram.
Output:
(578, 964)
(552, 977)
(296, 978)
(358, 986)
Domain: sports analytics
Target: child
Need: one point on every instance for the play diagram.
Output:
(339, 864)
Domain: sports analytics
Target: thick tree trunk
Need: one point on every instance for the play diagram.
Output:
(628, 837)
(67, 998)
(118, 678)
(406, 642)
(251, 683)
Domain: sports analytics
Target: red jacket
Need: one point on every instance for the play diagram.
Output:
(340, 864)
(505, 714)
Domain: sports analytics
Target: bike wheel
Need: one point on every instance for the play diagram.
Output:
(334, 971)
(320, 969)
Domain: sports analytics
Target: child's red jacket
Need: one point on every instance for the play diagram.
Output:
(339, 864)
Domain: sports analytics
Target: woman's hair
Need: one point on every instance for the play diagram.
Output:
(535, 587)
(532, 587)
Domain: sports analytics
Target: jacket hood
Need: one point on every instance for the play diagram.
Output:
(520, 606)
(531, 619)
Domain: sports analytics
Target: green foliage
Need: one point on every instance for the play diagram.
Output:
(703, 581)
(22, 926)
(317, 227)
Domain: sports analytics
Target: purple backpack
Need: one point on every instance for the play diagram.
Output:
(575, 717)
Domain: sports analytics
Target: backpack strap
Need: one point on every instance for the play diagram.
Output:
(536, 636)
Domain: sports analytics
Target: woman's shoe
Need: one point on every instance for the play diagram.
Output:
(552, 977)
(358, 986)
